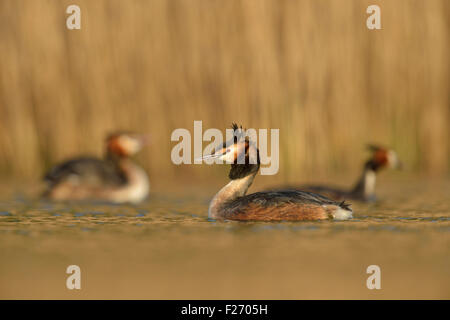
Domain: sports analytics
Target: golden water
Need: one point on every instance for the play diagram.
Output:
(166, 248)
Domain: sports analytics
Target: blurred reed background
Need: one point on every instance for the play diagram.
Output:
(310, 68)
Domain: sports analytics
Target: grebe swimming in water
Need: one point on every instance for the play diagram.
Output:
(114, 179)
(364, 189)
(232, 203)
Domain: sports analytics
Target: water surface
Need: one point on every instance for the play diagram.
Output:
(166, 248)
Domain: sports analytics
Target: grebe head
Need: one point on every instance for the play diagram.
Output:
(383, 158)
(124, 144)
(240, 151)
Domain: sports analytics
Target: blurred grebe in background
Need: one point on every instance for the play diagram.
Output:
(232, 203)
(364, 189)
(116, 178)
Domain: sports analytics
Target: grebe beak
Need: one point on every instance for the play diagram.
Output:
(144, 139)
(393, 160)
(209, 156)
(219, 153)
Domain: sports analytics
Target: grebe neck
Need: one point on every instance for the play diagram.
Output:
(242, 176)
(136, 187)
(114, 158)
(234, 189)
(366, 183)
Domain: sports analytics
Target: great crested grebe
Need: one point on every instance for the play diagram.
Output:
(232, 203)
(364, 189)
(116, 178)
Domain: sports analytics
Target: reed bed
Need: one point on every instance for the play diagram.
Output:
(310, 68)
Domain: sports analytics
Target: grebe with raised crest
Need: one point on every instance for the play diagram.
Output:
(116, 178)
(232, 203)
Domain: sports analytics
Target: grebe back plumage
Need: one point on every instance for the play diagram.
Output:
(232, 203)
(115, 178)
